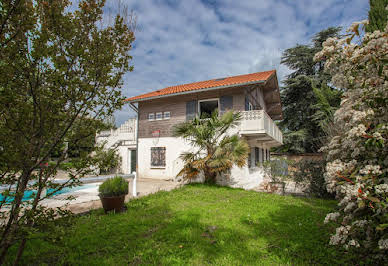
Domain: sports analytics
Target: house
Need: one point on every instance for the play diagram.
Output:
(123, 140)
(255, 95)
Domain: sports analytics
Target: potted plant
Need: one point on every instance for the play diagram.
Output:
(277, 171)
(112, 193)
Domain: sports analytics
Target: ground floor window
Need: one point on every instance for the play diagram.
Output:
(158, 156)
(258, 156)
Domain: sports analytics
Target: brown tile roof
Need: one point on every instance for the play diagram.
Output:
(241, 79)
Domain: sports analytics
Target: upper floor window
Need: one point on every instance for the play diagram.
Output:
(159, 116)
(166, 115)
(207, 107)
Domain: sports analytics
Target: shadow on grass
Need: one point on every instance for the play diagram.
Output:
(187, 226)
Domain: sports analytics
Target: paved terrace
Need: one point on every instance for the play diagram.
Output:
(87, 199)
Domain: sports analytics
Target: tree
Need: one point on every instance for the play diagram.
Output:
(216, 151)
(60, 76)
(303, 96)
(106, 159)
(357, 169)
(377, 16)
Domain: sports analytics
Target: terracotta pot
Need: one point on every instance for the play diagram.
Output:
(277, 187)
(113, 203)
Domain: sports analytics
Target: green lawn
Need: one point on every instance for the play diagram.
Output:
(196, 224)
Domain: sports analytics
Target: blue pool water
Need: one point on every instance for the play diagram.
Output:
(29, 194)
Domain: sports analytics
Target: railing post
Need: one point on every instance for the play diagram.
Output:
(134, 181)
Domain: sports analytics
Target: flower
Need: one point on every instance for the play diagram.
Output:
(383, 244)
(332, 217)
(357, 155)
(371, 169)
(380, 189)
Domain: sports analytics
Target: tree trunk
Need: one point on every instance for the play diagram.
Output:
(20, 252)
(4, 250)
(210, 177)
(11, 226)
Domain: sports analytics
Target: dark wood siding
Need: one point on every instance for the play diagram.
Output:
(177, 106)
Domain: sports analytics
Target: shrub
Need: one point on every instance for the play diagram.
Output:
(106, 159)
(311, 173)
(116, 186)
(277, 169)
(357, 155)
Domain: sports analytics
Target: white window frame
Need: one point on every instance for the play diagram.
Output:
(161, 116)
(164, 115)
(153, 116)
(208, 100)
(250, 106)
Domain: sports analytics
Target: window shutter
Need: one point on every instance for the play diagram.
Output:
(246, 103)
(226, 103)
(191, 110)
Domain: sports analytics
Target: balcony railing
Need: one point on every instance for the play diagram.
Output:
(125, 135)
(257, 123)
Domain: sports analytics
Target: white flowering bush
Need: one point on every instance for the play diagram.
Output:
(358, 156)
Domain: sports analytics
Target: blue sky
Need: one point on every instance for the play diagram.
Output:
(192, 40)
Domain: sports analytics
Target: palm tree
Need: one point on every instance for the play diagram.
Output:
(215, 150)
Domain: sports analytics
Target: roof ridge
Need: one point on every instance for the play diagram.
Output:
(215, 79)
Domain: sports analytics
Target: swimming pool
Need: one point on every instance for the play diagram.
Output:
(29, 194)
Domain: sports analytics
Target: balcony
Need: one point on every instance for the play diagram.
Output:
(256, 125)
(125, 135)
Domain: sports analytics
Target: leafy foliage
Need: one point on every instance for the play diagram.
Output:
(276, 169)
(310, 173)
(377, 16)
(308, 101)
(327, 101)
(106, 159)
(216, 151)
(357, 169)
(61, 74)
(116, 186)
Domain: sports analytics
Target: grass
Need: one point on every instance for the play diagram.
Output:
(198, 225)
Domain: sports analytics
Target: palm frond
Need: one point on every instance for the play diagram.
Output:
(217, 152)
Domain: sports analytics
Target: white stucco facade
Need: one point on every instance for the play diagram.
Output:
(244, 177)
(123, 140)
(174, 148)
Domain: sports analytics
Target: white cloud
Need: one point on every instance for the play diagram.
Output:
(188, 41)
